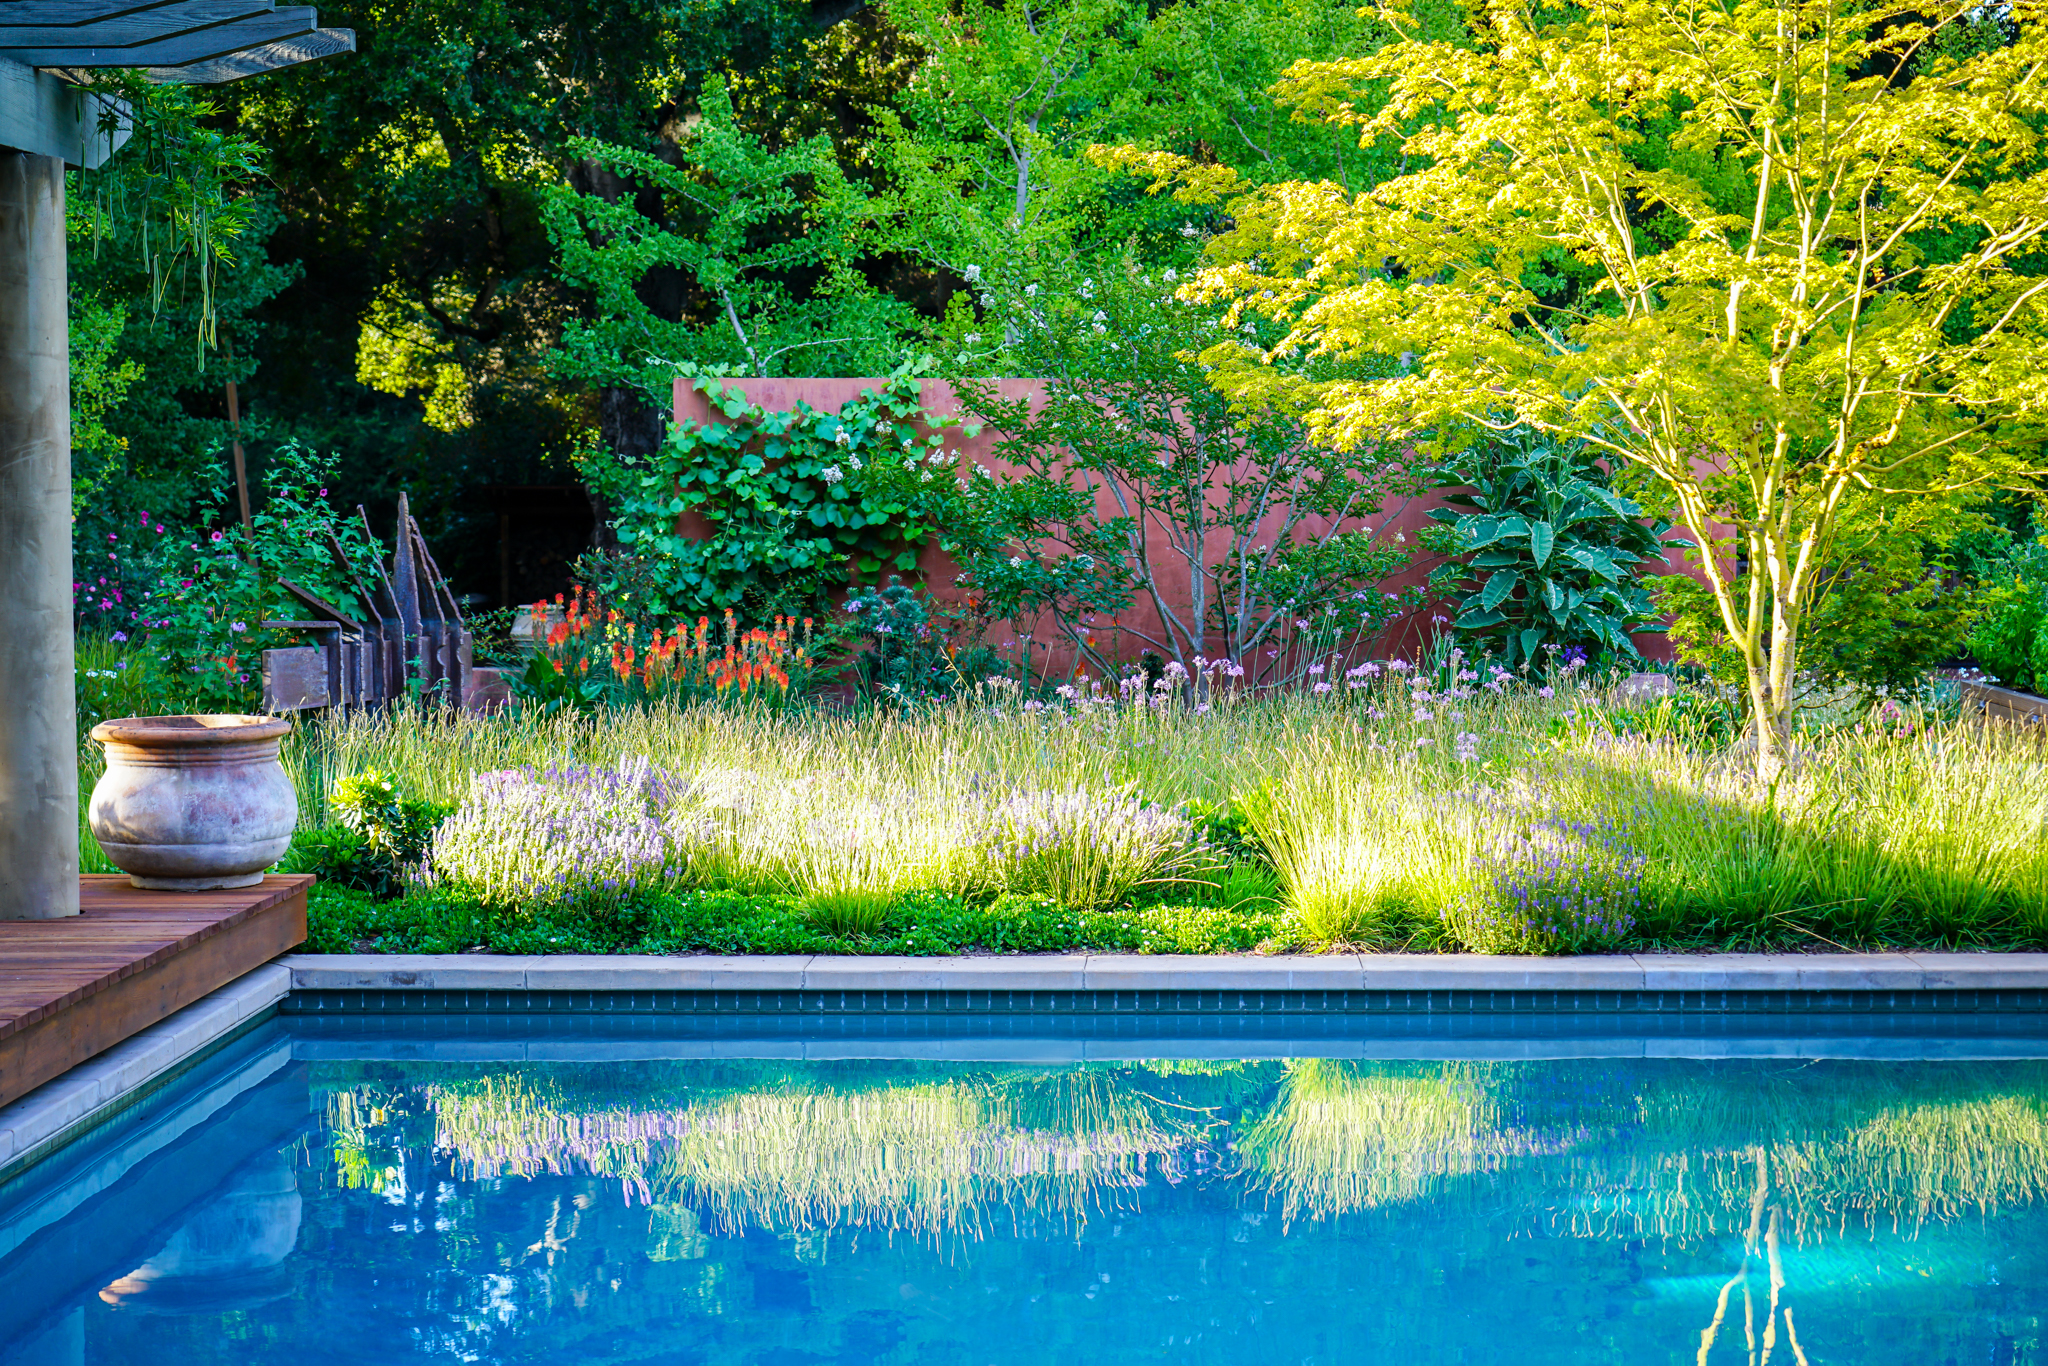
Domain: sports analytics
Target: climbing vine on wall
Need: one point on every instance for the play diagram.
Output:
(793, 501)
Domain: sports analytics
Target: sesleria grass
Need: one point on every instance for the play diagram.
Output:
(1924, 833)
(1357, 839)
(1088, 850)
(1934, 836)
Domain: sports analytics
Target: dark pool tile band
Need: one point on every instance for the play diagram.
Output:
(1660, 1011)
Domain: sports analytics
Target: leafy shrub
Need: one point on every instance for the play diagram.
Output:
(1226, 827)
(1690, 715)
(204, 615)
(1549, 555)
(1083, 849)
(379, 842)
(2008, 641)
(1548, 885)
(339, 858)
(916, 650)
(590, 836)
(394, 826)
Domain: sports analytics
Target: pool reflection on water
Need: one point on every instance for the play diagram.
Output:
(291, 1205)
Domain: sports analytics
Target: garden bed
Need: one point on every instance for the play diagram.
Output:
(1406, 813)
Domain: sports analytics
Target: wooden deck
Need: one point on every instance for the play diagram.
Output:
(72, 988)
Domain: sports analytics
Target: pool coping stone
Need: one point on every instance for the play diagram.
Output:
(1780, 972)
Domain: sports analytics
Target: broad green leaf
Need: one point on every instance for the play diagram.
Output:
(1541, 537)
(1498, 587)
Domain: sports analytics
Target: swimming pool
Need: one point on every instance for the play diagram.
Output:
(374, 1189)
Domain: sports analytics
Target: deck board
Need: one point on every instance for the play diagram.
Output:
(74, 987)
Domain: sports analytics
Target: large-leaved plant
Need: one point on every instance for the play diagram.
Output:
(1545, 555)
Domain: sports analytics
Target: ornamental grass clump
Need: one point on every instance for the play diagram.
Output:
(591, 836)
(1084, 849)
(1549, 885)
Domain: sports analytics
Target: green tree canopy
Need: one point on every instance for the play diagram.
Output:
(1807, 234)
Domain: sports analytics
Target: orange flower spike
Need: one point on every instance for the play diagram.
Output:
(558, 635)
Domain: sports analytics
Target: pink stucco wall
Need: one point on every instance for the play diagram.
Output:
(1123, 636)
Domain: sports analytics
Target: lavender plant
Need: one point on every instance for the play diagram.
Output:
(589, 835)
(1549, 885)
(1083, 848)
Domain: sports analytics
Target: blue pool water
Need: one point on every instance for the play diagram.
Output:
(344, 1195)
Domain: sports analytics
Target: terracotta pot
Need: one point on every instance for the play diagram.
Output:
(193, 802)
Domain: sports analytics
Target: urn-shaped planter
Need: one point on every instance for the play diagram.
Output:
(193, 802)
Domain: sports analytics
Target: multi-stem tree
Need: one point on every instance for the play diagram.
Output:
(1805, 239)
(1132, 479)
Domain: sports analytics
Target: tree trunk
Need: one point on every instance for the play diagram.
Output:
(1771, 716)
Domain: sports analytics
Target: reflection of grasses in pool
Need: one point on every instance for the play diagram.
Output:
(1585, 1149)
(926, 1154)
(1339, 1137)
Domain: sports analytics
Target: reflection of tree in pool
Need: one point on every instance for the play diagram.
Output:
(1761, 1236)
(1669, 1155)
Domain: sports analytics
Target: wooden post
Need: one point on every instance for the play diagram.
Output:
(38, 702)
(241, 470)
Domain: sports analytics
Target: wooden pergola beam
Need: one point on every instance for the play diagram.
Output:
(196, 45)
(51, 26)
(255, 61)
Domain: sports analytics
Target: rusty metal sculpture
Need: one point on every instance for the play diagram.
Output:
(407, 639)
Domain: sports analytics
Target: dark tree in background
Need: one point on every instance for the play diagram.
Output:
(395, 301)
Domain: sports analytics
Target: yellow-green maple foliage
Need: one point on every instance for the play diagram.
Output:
(1807, 236)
